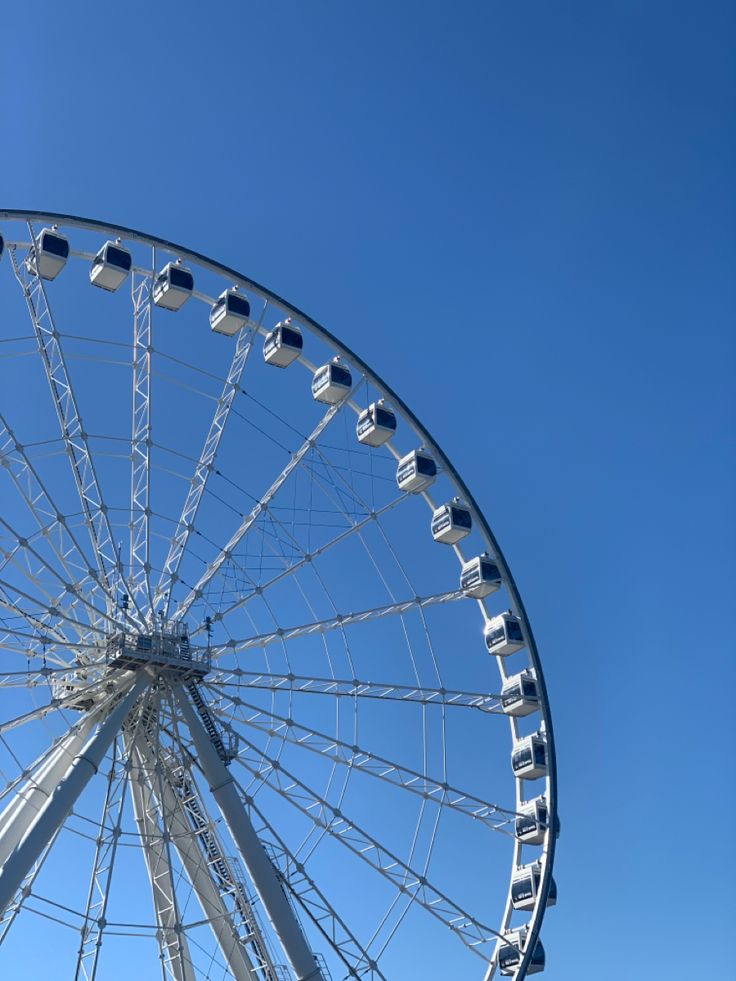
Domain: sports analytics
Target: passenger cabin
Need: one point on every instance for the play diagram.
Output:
(332, 382)
(451, 522)
(283, 344)
(111, 266)
(49, 255)
(525, 883)
(376, 424)
(511, 951)
(229, 312)
(503, 635)
(520, 695)
(480, 577)
(173, 286)
(415, 472)
(531, 823)
(529, 757)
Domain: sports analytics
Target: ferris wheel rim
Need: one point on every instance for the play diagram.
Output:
(219, 268)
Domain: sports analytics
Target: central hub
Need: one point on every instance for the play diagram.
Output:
(164, 647)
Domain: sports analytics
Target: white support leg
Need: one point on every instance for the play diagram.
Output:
(259, 865)
(53, 814)
(172, 942)
(25, 806)
(196, 869)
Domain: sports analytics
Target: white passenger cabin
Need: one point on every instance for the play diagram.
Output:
(525, 883)
(531, 823)
(416, 471)
(50, 254)
(503, 635)
(283, 344)
(229, 312)
(529, 757)
(111, 266)
(451, 522)
(376, 424)
(520, 695)
(480, 577)
(173, 286)
(332, 382)
(510, 951)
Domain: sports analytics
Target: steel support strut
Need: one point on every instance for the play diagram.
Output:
(259, 865)
(55, 811)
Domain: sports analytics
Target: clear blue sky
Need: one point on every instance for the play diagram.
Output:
(522, 215)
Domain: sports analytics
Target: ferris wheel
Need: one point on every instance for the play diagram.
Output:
(270, 704)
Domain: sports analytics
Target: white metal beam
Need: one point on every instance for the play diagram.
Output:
(259, 865)
(55, 811)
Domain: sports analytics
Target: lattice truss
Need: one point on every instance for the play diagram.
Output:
(249, 727)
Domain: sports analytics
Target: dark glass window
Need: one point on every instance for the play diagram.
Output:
(55, 245)
(538, 956)
(521, 758)
(341, 376)
(461, 518)
(291, 338)
(238, 305)
(385, 419)
(495, 635)
(526, 825)
(490, 571)
(540, 754)
(521, 889)
(426, 466)
(513, 630)
(120, 258)
(530, 689)
(181, 278)
(508, 957)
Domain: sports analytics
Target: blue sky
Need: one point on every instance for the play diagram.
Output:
(523, 218)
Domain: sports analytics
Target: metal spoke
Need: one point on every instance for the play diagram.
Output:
(354, 688)
(475, 935)
(260, 508)
(140, 441)
(70, 423)
(337, 622)
(290, 570)
(428, 788)
(205, 465)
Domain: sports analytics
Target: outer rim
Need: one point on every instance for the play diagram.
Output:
(218, 267)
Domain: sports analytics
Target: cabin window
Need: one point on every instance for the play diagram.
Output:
(181, 278)
(495, 635)
(513, 630)
(540, 754)
(426, 466)
(119, 257)
(55, 245)
(530, 689)
(385, 419)
(461, 518)
(291, 337)
(238, 305)
(341, 376)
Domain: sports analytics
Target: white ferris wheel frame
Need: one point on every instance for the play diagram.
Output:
(30, 822)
